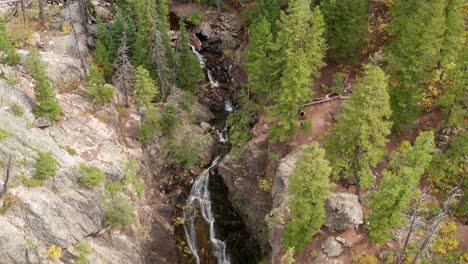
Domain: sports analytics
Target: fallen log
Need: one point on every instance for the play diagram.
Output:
(325, 99)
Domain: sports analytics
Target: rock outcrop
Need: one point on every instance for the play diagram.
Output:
(241, 173)
(343, 211)
(279, 215)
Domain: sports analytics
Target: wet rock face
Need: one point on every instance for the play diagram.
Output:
(241, 176)
(343, 211)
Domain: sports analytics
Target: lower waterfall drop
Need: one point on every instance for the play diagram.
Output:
(200, 199)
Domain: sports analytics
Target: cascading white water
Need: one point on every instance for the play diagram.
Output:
(200, 57)
(202, 60)
(228, 106)
(213, 82)
(200, 198)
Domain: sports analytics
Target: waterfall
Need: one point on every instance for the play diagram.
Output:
(200, 57)
(228, 106)
(223, 136)
(200, 197)
(202, 60)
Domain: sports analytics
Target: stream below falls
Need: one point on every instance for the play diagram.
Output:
(212, 232)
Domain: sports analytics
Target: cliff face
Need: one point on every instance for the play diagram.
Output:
(62, 212)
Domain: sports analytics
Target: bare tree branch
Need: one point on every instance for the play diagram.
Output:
(434, 227)
(411, 226)
(124, 76)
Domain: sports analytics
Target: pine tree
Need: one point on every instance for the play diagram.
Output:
(189, 71)
(298, 49)
(270, 10)
(96, 88)
(10, 56)
(454, 75)
(260, 66)
(46, 103)
(101, 54)
(399, 185)
(357, 142)
(160, 52)
(413, 54)
(309, 186)
(145, 89)
(347, 23)
(124, 73)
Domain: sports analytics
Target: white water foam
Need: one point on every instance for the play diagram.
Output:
(200, 57)
(228, 106)
(213, 82)
(200, 197)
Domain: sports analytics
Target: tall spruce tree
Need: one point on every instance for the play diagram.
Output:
(357, 142)
(413, 54)
(260, 64)
(189, 71)
(160, 51)
(308, 187)
(347, 23)
(453, 72)
(399, 185)
(101, 54)
(46, 104)
(297, 50)
(145, 88)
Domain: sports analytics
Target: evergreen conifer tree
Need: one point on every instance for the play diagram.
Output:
(101, 54)
(297, 50)
(357, 142)
(10, 56)
(308, 187)
(412, 55)
(46, 103)
(96, 88)
(347, 23)
(260, 66)
(145, 88)
(189, 71)
(399, 185)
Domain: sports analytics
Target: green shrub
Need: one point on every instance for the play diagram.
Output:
(97, 90)
(195, 17)
(84, 250)
(17, 110)
(46, 166)
(118, 210)
(338, 86)
(169, 119)
(91, 176)
(306, 125)
(3, 134)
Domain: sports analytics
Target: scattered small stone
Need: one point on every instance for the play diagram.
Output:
(42, 122)
(344, 241)
(205, 127)
(331, 247)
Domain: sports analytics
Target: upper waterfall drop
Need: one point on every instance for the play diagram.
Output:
(200, 57)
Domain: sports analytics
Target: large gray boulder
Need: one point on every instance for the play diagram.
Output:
(343, 211)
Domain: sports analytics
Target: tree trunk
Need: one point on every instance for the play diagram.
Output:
(41, 12)
(23, 10)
